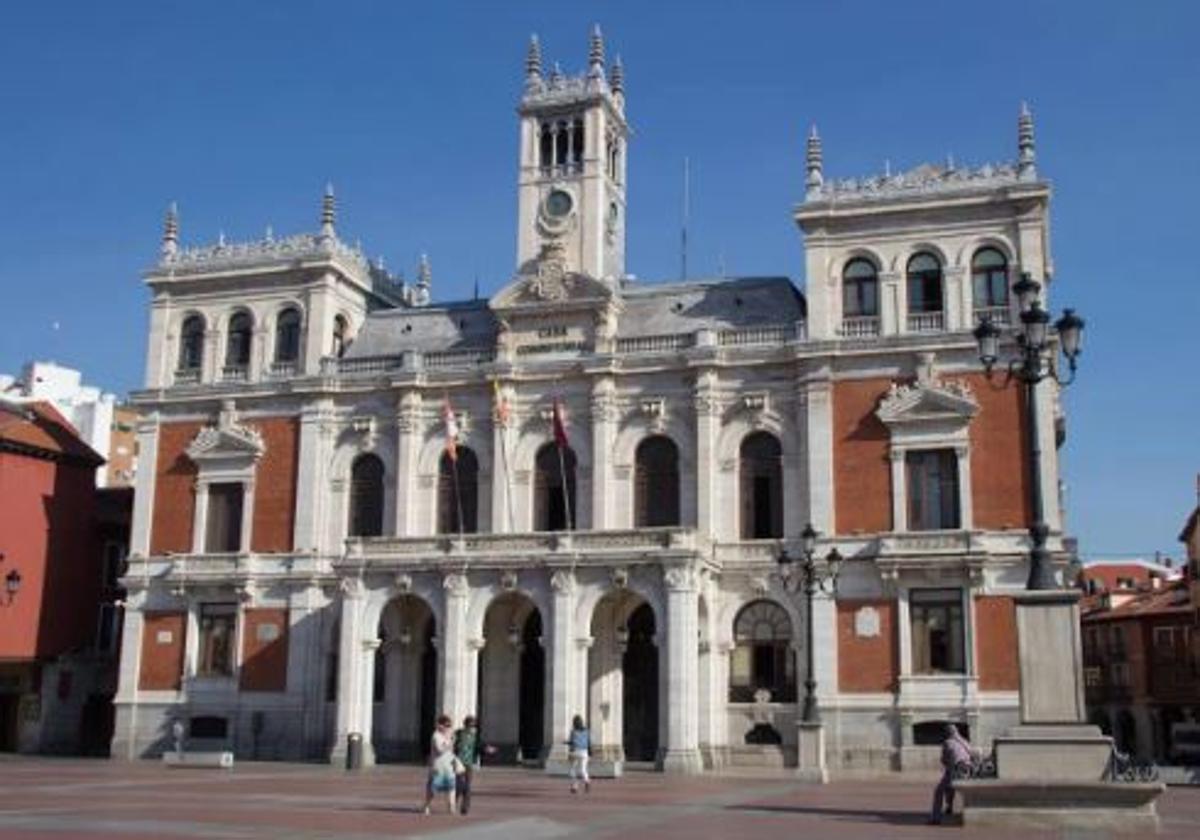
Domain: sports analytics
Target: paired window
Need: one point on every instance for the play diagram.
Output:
(218, 626)
(554, 489)
(760, 481)
(989, 279)
(762, 656)
(656, 488)
(458, 493)
(366, 497)
(936, 617)
(932, 477)
(223, 531)
(287, 336)
(191, 343)
(561, 143)
(237, 342)
(924, 284)
(860, 289)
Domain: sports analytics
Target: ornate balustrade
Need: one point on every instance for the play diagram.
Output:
(1001, 316)
(656, 343)
(926, 321)
(862, 326)
(761, 335)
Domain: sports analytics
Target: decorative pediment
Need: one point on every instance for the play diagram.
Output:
(929, 400)
(226, 440)
(548, 281)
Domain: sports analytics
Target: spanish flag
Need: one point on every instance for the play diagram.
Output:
(560, 424)
(451, 430)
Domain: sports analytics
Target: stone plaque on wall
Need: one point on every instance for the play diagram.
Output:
(164, 637)
(866, 623)
(268, 632)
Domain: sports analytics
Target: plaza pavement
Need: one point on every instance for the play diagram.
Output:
(94, 799)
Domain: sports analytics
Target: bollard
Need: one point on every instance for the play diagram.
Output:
(354, 751)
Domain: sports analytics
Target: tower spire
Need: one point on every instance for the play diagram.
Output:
(596, 53)
(328, 213)
(813, 176)
(616, 75)
(170, 237)
(533, 62)
(424, 281)
(1026, 152)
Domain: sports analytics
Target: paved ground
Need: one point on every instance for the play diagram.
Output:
(49, 798)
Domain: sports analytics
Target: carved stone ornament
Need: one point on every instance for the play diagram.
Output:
(227, 439)
(456, 584)
(620, 577)
(365, 426)
(351, 587)
(760, 585)
(563, 581)
(508, 580)
(679, 579)
(404, 582)
(866, 623)
(931, 400)
(550, 280)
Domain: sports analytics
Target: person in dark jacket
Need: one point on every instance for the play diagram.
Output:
(469, 749)
(956, 750)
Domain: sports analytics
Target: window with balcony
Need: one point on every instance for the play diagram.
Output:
(936, 619)
(218, 626)
(287, 336)
(762, 656)
(458, 493)
(925, 300)
(932, 476)
(237, 341)
(223, 529)
(860, 299)
(656, 487)
(191, 344)
(760, 466)
(989, 282)
(366, 497)
(554, 489)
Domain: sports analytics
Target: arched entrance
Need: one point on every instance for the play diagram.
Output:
(405, 686)
(512, 679)
(623, 680)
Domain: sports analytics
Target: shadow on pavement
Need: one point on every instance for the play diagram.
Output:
(849, 814)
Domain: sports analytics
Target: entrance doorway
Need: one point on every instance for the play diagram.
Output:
(406, 681)
(512, 680)
(639, 665)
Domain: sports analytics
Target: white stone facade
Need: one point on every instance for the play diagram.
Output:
(628, 624)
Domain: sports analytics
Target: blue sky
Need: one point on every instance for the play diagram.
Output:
(242, 112)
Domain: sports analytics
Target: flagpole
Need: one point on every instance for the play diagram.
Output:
(560, 442)
(457, 492)
(562, 468)
(507, 477)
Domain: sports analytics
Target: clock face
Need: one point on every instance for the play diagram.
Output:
(559, 204)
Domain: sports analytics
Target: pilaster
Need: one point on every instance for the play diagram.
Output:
(562, 701)
(312, 479)
(819, 407)
(602, 434)
(408, 436)
(350, 700)
(453, 654)
(682, 754)
(704, 401)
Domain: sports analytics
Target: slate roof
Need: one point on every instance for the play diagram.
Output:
(649, 309)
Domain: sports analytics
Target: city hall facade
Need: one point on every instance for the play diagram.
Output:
(309, 561)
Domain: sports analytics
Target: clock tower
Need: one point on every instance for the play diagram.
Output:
(572, 170)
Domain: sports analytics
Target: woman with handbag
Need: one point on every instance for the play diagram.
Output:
(443, 765)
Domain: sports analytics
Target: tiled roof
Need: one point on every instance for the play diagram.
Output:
(1170, 599)
(43, 431)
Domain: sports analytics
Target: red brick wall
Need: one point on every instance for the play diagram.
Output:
(999, 465)
(867, 664)
(862, 475)
(264, 661)
(162, 662)
(996, 643)
(275, 484)
(174, 490)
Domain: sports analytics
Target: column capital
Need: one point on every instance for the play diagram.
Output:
(562, 582)
(456, 585)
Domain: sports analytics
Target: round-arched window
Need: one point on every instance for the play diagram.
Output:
(656, 485)
(366, 496)
(924, 283)
(860, 289)
(191, 343)
(287, 336)
(762, 654)
(989, 278)
(237, 342)
(760, 482)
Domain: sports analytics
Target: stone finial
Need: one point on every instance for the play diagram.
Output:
(813, 178)
(170, 237)
(421, 291)
(328, 213)
(1026, 153)
(616, 76)
(596, 53)
(533, 60)
(556, 74)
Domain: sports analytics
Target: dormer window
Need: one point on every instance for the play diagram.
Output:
(860, 299)
(925, 302)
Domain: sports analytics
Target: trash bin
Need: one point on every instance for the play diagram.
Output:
(354, 751)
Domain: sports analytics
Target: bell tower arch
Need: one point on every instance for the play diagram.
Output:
(571, 183)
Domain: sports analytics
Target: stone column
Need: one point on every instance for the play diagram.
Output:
(682, 754)
(704, 401)
(453, 658)
(602, 433)
(125, 738)
(561, 700)
(893, 306)
(408, 436)
(955, 314)
(351, 663)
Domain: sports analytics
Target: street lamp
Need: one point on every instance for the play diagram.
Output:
(1033, 362)
(811, 577)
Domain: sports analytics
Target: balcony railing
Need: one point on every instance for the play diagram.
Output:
(361, 366)
(656, 343)
(282, 370)
(860, 326)
(234, 373)
(1001, 316)
(919, 322)
(187, 376)
(459, 358)
(760, 335)
(632, 543)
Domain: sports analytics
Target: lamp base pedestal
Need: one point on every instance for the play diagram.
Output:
(810, 753)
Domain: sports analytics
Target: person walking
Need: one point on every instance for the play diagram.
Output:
(956, 750)
(468, 748)
(579, 745)
(442, 765)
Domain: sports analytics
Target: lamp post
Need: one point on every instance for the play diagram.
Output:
(1034, 361)
(810, 577)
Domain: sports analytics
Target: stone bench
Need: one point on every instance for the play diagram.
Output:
(222, 760)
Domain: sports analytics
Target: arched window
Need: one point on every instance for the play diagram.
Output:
(989, 278)
(366, 497)
(237, 343)
(860, 290)
(546, 145)
(924, 284)
(656, 491)
(287, 335)
(561, 140)
(191, 343)
(762, 655)
(458, 488)
(551, 503)
(577, 143)
(340, 336)
(761, 484)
